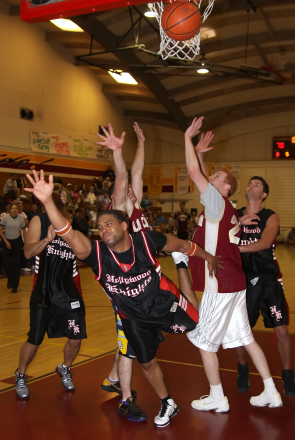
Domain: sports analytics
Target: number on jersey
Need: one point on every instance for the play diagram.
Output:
(232, 232)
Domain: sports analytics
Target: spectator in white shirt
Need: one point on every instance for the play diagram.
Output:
(91, 197)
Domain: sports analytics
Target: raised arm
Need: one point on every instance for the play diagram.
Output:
(138, 164)
(267, 238)
(121, 180)
(203, 147)
(192, 163)
(80, 245)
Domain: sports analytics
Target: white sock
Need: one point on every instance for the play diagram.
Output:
(217, 391)
(269, 386)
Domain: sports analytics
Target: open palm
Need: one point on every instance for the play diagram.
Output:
(202, 146)
(110, 140)
(41, 189)
(139, 133)
(193, 129)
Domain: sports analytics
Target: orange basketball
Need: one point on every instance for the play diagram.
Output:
(181, 20)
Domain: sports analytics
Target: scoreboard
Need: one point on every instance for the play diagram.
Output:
(283, 147)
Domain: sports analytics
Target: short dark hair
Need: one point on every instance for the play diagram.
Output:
(119, 215)
(111, 190)
(57, 180)
(264, 184)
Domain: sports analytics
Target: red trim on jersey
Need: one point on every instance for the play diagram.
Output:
(122, 314)
(78, 284)
(124, 266)
(34, 280)
(97, 278)
(108, 207)
(147, 248)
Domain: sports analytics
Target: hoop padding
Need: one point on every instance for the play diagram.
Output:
(184, 50)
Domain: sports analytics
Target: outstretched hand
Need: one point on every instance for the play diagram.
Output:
(213, 264)
(202, 146)
(248, 219)
(41, 189)
(139, 133)
(193, 129)
(110, 140)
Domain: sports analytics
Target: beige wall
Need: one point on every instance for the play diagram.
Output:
(67, 100)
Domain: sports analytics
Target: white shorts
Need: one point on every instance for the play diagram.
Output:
(223, 319)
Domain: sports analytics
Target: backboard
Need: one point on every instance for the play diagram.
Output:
(34, 11)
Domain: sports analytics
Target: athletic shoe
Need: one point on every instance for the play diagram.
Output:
(274, 401)
(208, 403)
(26, 269)
(66, 377)
(13, 290)
(131, 411)
(21, 388)
(288, 382)
(114, 387)
(168, 410)
(9, 286)
(178, 257)
(243, 382)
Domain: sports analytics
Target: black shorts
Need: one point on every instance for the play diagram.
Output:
(182, 235)
(57, 322)
(145, 337)
(267, 297)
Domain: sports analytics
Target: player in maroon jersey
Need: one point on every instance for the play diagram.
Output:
(223, 313)
(183, 219)
(124, 197)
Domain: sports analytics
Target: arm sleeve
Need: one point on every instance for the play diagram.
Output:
(213, 202)
(92, 258)
(156, 240)
(22, 223)
(80, 225)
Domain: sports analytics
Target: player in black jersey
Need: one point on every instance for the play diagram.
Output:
(56, 303)
(130, 275)
(265, 292)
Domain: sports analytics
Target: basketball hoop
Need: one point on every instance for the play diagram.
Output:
(184, 50)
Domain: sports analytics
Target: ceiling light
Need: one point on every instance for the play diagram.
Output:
(66, 25)
(150, 14)
(122, 77)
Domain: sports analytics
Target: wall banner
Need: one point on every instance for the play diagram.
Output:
(68, 146)
(183, 180)
(155, 178)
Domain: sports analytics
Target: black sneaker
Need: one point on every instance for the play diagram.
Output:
(9, 286)
(114, 387)
(243, 378)
(131, 411)
(288, 382)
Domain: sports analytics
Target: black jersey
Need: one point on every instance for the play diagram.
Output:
(138, 288)
(262, 263)
(56, 278)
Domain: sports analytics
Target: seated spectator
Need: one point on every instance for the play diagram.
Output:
(22, 184)
(69, 191)
(171, 228)
(163, 228)
(104, 199)
(151, 222)
(93, 217)
(97, 183)
(110, 174)
(75, 192)
(91, 197)
(160, 218)
(146, 202)
(105, 188)
(41, 209)
(7, 210)
(10, 189)
(82, 189)
(73, 204)
(79, 213)
(106, 183)
(87, 207)
(81, 201)
(291, 237)
(33, 212)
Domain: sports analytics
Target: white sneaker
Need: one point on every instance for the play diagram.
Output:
(26, 269)
(178, 257)
(168, 410)
(274, 401)
(208, 403)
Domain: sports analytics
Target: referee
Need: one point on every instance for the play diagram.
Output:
(12, 245)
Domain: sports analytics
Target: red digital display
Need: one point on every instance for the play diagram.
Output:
(277, 154)
(283, 148)
(281, 145)
(34, 11)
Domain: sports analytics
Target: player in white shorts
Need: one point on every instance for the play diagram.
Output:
(223, 317)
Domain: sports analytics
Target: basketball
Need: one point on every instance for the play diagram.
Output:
(181, 20)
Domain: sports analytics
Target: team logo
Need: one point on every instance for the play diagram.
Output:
(254, 281)
(276, 313)
(73, 326)
(125, 268)
(178, 328)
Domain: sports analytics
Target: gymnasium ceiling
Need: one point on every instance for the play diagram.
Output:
(238, 32)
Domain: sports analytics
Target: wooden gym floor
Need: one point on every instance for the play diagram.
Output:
(89, 412)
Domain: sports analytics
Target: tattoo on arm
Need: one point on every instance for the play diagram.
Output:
(40, 245)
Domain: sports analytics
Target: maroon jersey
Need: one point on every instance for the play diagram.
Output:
(138, 222)
(182, 217)
(219, 237)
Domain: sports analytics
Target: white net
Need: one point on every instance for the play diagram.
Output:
(181, 49)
